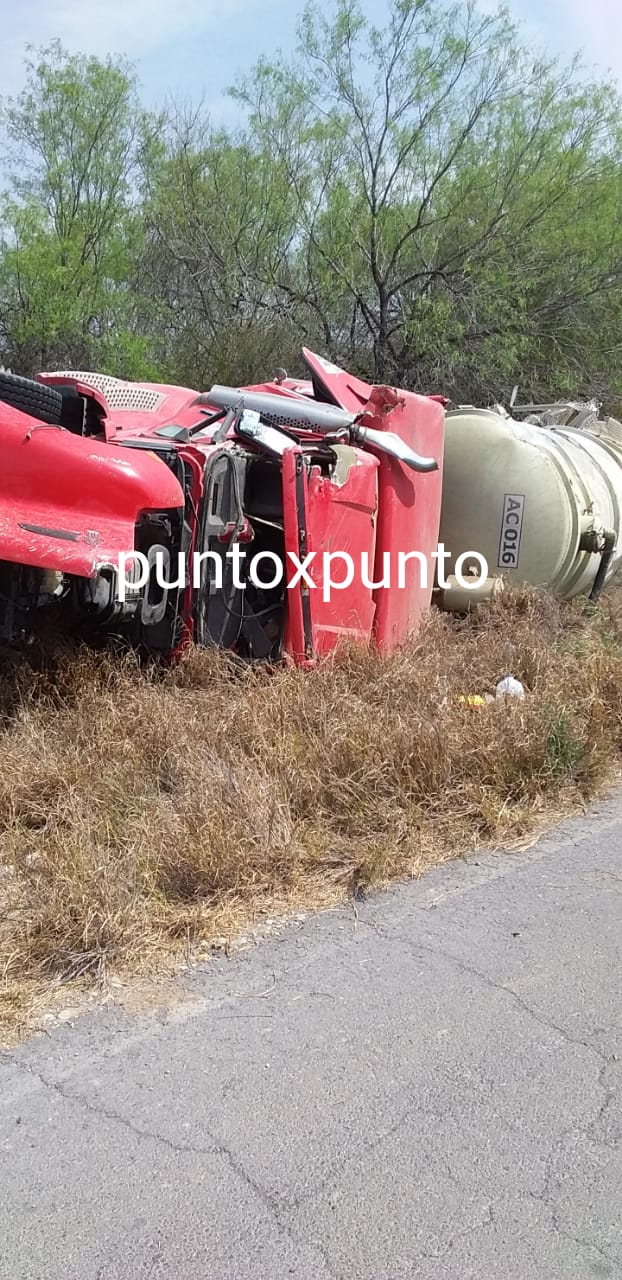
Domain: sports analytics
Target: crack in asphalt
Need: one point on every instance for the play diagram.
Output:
(582, 1243)
(487, 1222)
(217, 1149)
(487, 981)
(546, 1195)
(278, 1207)
(104, 1113)
(340, 1164)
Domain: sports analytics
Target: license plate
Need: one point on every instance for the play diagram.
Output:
(511, 530)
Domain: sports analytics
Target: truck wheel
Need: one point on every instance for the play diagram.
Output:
(43, 403)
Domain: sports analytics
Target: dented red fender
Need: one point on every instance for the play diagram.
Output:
(409, 510)
(409, 504)
(70, 503)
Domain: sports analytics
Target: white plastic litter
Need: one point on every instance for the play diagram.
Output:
(509, 688)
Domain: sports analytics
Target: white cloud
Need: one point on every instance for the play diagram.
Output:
(592, 28)
(205, 33)
(596, 27)
(136, 28)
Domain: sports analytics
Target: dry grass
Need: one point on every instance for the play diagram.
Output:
(142, 811)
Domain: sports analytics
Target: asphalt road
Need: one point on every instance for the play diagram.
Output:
(431, 1090)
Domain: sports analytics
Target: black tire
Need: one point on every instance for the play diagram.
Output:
(43, 403)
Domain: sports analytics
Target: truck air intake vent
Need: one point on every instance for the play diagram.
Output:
(119, 394)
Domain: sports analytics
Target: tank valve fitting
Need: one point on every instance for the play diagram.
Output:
(455, 598)
(591, 540)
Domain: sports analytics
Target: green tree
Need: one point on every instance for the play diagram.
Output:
(70, 220)
(438, 169)
(222, 232)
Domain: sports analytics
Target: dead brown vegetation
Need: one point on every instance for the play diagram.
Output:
(141, 810)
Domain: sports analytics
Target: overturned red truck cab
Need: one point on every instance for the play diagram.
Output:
(158, 516)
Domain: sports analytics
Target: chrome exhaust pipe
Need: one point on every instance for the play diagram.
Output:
(393, 445)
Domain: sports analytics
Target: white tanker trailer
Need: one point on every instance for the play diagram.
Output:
(540, 499)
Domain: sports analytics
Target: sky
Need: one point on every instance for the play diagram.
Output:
(193, 49)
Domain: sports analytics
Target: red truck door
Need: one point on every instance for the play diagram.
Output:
(332, 520)
(409, 503)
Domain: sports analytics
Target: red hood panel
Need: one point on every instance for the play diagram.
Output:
(71, 503)
(343, 389)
